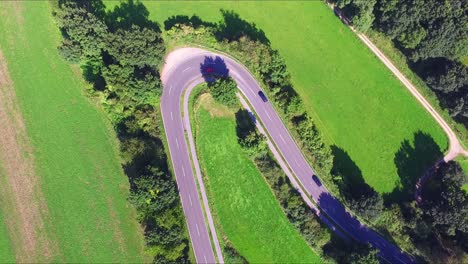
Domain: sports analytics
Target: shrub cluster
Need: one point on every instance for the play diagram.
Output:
(118, 54)
(249, 138)
(223, 91)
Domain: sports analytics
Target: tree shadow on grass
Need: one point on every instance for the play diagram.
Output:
(213, 68)
(233, 27)
(352, 184)
(245, 125)
(193, 21)
(412, 161)
(130, 13)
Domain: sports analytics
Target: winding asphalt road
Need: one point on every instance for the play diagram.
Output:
(182, 70)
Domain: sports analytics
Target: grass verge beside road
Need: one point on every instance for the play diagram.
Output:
(245, 206)
(75, 150)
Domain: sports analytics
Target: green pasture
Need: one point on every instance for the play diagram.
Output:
(75, 149)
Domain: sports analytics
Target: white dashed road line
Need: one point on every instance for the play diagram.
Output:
(268, 115)
(281, 136)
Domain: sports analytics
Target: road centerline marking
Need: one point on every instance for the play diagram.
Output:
(177, 142)
(170, 88)
(183, 171)
(186, 69)
(267, 115)
(281, 136)
(198, 230)
(190, 200)
(172, 117)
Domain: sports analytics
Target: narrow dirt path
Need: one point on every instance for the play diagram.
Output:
(455, 147)
(22, 201)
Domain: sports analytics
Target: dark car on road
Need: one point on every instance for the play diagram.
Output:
(262, 95)
(316, 180)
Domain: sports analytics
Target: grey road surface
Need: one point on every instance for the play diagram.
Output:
(183, 67)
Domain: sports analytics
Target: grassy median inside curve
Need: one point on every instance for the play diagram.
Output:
(360, 107)
(244, 205)
(74, 148)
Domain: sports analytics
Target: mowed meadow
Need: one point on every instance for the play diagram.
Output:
(74, 150)
(359, 105)
(242, 201)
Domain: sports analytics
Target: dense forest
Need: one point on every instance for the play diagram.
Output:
(433, 35)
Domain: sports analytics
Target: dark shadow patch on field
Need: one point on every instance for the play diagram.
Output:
(130, 13)
(193, 21)
(94, 77)
(233, 27)
(244, 123)
(213, 68)
(412, 161)
(352, 183)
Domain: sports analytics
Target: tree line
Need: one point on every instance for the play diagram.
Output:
(118, 52)
(432, 34)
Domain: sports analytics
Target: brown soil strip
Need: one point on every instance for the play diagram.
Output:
(20, 195)
(216, 110)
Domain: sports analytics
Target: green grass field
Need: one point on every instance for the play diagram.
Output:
(75, 149)
(6, 255)
(357, 102)
(247, 210)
